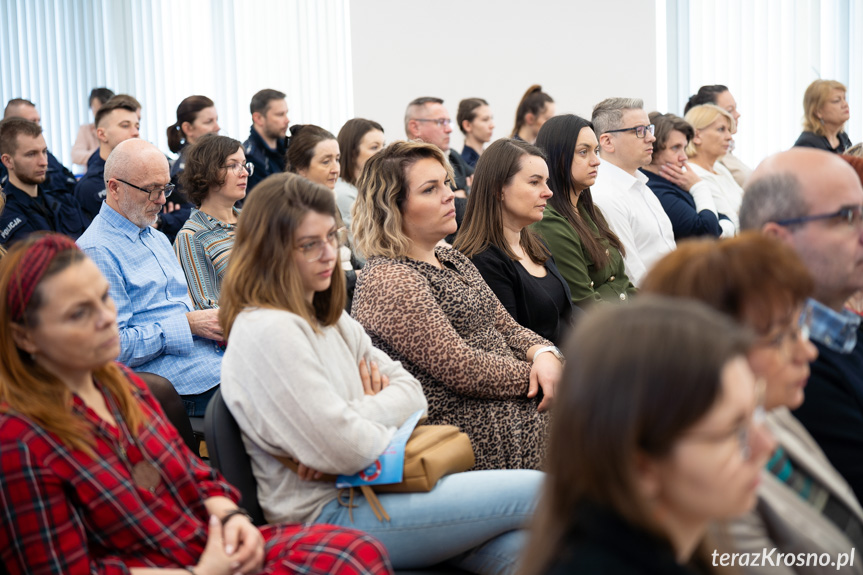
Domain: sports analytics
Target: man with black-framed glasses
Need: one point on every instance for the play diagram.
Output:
(160, 330)
(812, 200)
(632, 210)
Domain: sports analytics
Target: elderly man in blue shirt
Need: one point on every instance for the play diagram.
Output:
(160, 331)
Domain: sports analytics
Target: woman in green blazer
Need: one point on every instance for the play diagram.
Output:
(588, 254)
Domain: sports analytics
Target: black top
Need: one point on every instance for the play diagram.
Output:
(542, 305)
(602, 543)
(833, 409)
(813, 140)
(55, 211)
(90, 190)
(470, 156)
(267, 161)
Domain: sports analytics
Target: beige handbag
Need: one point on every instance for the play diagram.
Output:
(432, 451)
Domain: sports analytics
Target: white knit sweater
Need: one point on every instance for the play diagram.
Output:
(298, 393)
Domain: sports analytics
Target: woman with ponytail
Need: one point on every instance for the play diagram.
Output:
(196, 116)
(535, 108)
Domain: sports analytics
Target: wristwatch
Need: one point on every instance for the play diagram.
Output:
(551, 349)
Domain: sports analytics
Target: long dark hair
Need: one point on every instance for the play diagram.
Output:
(483, 218)
(558, 138)
(187, 111)
(637, 377)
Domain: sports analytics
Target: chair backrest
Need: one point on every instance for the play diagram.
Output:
(228, 454)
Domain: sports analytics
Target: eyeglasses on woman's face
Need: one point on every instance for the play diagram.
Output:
(313, 249)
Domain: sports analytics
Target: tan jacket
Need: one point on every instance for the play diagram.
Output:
(784, 520)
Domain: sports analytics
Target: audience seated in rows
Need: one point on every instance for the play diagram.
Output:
(30, 206)
(587, 252)
(804, 505)
(87, 142)
(118, 120)
(100, 481)
(160, 330)
(215, 179)
(685, 197)
(196, 116)
(268, 142)
(825, 111)
(58, 177)
(656, 433)
(359, 139)
(721, 96)
(813, 201)
(316, 390)
(476, 122)
(429, 308)
(632, 211)
(711, 140)
(535, 109)
(509, 193)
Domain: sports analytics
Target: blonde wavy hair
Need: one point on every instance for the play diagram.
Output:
(816, 95)
(699, 117)
(381, 192)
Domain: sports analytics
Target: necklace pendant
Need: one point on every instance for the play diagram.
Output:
(146, 476)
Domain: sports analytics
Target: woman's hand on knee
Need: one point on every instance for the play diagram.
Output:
(545, 373)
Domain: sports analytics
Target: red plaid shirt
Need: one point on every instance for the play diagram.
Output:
(65, 512)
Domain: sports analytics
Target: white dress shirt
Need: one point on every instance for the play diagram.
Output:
(636, 216)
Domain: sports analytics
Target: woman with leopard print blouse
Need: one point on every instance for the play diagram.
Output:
(428, 307)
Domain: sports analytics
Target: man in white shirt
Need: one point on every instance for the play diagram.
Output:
(630, 208)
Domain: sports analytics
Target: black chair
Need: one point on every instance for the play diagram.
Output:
(164, 392)
(228, 455)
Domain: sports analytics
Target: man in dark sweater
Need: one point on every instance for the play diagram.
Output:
(812, 200)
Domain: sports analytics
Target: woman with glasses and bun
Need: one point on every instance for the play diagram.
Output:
(215, 178)
(804, 504)
(93, 477)
(657, 433)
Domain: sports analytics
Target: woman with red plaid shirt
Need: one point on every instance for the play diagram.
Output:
(92, 477)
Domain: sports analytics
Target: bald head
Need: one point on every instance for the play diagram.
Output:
(142, 165)
(818, 186)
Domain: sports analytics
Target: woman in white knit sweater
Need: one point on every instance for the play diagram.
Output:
(296, 378)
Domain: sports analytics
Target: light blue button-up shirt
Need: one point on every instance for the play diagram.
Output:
(149, 288)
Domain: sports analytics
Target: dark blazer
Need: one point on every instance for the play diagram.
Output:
(813, 140)
(522, 300)
(680, 208)
(602, 543)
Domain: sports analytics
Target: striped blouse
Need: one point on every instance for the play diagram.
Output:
(203, 247)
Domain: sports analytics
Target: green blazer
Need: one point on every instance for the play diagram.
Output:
(586, 283)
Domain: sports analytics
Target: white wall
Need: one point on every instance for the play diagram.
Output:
(580, 51)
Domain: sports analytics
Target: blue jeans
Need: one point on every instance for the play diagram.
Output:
(474, 520)
(196, 405)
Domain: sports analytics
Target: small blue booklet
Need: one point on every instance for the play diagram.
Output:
(390, 466)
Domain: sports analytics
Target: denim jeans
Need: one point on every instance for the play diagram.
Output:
(474, 520)
(196, 405)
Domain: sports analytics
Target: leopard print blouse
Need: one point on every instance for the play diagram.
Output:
(450, 331)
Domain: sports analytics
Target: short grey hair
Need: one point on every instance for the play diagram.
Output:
(608, 114)
(414, 107)
(772, 198)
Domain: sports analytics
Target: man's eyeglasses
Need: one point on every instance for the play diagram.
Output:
(441, 122)
(852, 215)
(238, 168)
(639, 130)
(313, 250)
(152, 195)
